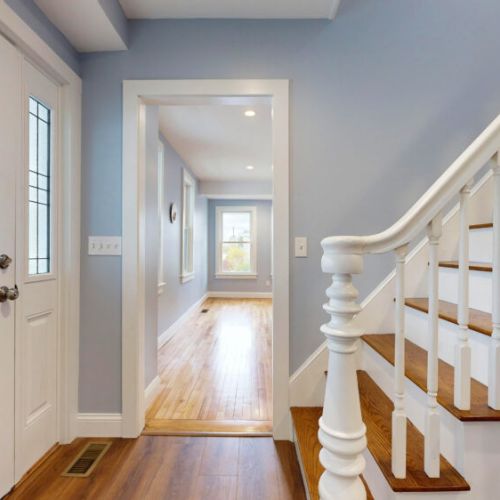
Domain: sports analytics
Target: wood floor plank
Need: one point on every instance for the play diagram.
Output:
(377, 408)
(170, 468)
(416, 371)
(217, 367)
(479, 321)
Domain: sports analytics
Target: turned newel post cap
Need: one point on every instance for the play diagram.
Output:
(342, 255)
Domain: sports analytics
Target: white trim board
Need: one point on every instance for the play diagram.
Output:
(99, 425)
(174, 327)
(240, 295)
(136, 94)
(152, 391)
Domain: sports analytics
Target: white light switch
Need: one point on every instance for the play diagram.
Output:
(105, 245)
(300, 246)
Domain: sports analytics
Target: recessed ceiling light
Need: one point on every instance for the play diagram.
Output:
(249, 167)
(249, 112)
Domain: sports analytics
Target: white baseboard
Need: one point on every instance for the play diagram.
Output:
(99, 425)
(307, 384)
(241, 295)
(172, 329)
(151, 391)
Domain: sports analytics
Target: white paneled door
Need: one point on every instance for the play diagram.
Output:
(10, 161)
(28, 242)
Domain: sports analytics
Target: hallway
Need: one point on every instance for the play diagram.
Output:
(216, 372)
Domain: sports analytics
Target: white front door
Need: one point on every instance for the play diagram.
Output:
(10, 161)
(28, 235)
(36, 270)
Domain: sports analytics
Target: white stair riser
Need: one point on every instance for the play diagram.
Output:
(481, 245)
(417, 331)
(473, 448)
(479, 288)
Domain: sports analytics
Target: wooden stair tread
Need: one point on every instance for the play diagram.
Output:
(473, 266)
(416, 371)
(479, 321)
(305, 421)
(484, 225)
(377, 409)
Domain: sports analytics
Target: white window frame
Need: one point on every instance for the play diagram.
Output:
(187, 181)
(219, 212)
(161, 217)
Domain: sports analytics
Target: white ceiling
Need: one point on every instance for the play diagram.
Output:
(233, 9)
(219, 141)
(84, 23)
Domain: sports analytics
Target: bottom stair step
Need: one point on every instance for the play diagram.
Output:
(305, 422)
(376, 408)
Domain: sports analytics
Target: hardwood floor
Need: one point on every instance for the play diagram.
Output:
(173, 468)
(216, 372)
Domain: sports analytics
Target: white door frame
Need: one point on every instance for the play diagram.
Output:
(136, 93)
(39, 53)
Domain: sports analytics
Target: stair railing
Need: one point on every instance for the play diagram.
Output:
(342, 431)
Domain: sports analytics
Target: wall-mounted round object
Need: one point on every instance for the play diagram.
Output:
(173, 212)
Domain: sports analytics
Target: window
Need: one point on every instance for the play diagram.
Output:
(187, 227)
(161, 217)
(39, 195)
(236, 242)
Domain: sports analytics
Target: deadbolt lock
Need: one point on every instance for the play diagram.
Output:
(7, 293)
(5, 261)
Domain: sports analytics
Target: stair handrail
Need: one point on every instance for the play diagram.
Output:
(342, 431)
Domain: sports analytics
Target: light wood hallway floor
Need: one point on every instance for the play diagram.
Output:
(216, 372)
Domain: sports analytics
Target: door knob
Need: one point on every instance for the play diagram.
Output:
(5, 261)
(7, 293)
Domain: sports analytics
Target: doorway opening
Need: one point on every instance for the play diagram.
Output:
(224, 370)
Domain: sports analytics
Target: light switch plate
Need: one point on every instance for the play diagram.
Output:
(105, 245)
(300, 246)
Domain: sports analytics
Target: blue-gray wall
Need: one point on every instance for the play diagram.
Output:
(263, 281)
(31, 14)
(383, 99)
(179, 297)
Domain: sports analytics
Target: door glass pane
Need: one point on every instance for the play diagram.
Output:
(236, 258)
(39, 219)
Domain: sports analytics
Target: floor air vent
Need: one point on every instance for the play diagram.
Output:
(87, 459)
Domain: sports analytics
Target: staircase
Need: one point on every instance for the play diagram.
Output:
(412, 397)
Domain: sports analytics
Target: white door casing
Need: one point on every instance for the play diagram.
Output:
(37, 314)
(10, 160)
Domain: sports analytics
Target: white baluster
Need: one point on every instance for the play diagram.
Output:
(462, 348)
(494, 361)
(342, 432)
(431, 454)
(399, 413)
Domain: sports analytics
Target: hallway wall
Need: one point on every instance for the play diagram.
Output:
(263, 282)
(383, 99)
(179, 297)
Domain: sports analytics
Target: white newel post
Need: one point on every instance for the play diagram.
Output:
(399, 413)
(462, 348)
(494, 361)
(342, 431)
(432, 425)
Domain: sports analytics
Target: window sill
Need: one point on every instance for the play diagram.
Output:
(234, 276)
(187, 277)
(161, 288)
